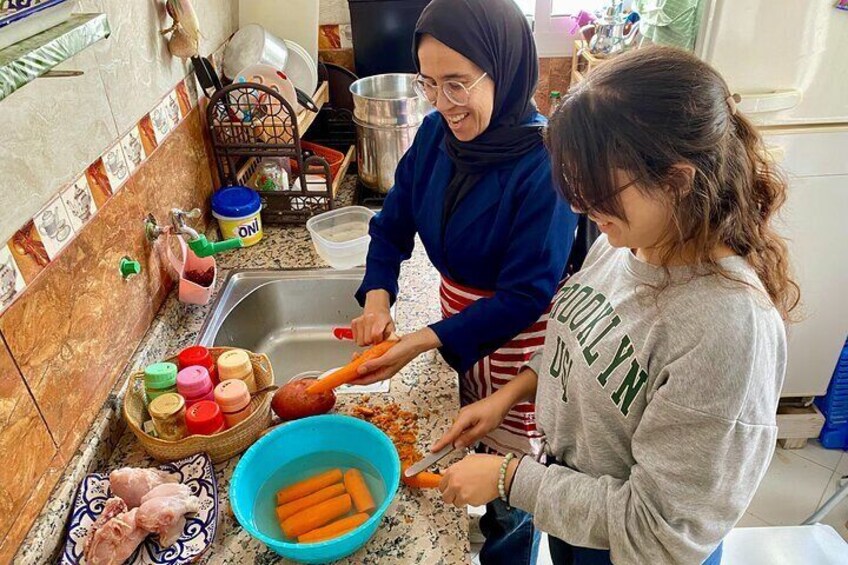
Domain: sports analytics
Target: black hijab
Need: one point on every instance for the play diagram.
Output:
(495, 36)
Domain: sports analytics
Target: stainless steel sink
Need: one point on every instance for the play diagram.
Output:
(289, 315)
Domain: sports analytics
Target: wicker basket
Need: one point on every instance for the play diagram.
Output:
(220, 446)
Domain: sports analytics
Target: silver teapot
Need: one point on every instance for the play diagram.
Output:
(606, 35)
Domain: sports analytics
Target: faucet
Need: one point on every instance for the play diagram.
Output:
(197, 242)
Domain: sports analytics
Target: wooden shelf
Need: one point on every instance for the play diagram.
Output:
(337, 182)
(305, 118)
(33, 57)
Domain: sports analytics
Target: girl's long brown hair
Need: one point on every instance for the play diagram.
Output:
(650, 110)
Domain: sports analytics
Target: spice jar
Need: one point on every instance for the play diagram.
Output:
(194, 384)
(234, 399)
(198, 355)
(204, 418)
(168, 413)
(159, 379)
(235, 364)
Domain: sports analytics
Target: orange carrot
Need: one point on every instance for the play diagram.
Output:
(334, 530)
(355, 484)
(422, 480)
(316, 516)
(308, 486)
(349, 372)
(295, 506)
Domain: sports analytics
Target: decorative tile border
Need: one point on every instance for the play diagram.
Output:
(43, 238)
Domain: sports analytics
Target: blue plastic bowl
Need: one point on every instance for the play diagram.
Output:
(318, 434)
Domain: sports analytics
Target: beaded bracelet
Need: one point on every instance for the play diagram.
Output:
(502, 477)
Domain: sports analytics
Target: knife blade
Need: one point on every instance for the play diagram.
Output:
(428, 461)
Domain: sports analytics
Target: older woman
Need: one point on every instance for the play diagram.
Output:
(476, 187)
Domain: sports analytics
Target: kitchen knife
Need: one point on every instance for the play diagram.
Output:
(428, 461)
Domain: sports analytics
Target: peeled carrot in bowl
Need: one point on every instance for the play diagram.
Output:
(335, 529)
(355, 485)
(295, 506)
(319, 515)
(309, 486)
(349, 372)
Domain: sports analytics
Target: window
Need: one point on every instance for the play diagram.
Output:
(552, 23)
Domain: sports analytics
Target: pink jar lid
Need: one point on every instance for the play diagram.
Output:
(232, 395)
(194, 381)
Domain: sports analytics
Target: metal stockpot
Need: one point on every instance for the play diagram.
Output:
(387, 114)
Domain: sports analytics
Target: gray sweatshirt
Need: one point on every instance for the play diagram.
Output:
(660, 406)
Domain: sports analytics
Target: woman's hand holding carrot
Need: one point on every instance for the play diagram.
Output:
(408, 348)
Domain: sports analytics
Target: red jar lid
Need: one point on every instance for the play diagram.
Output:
(204, 418)
(195, 355)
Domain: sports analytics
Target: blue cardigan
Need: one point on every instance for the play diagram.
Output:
(511, 234)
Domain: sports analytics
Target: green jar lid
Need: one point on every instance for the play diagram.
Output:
(160, 375)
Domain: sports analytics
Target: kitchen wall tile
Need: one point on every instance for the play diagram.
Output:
(79, 203)
(32, 508)
(134, 62)
(161, 121)
(183, 97)
(133, 148)
(74, 328)
(22, 426)
(98, 182)
(52, 130)
(148, 135)
(11, 279)
(334, 12)
(29, 251)
(329, 37)
(218, 21)
(116, 167)
(54, 227)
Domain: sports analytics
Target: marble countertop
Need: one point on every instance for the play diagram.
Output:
(418, 527)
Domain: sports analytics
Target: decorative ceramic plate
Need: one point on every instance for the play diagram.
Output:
(199, 533)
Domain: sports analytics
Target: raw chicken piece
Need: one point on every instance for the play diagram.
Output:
(165, 515)
(115, 541)
(132, 484)
(111, 508)
(169, 489)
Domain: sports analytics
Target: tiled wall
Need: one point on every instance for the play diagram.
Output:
(83, 159)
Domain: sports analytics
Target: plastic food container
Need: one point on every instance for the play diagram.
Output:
(194, 384)
(234, 399)
(204, 419)
(198, 355)
(237, 210)
(160, 378)
(341, 236)
(235, 364)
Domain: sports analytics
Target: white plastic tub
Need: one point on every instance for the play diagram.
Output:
(341, 236)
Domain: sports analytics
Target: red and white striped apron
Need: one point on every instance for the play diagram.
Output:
(518, 432)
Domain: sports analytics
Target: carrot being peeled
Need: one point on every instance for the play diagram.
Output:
(335, 529)
(350, 372)
(295, 506)
(309, 486)
(355, 485)
(422, 480)
(316, 516)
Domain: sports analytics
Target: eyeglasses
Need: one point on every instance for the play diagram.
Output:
(583, 207)
(456, 92)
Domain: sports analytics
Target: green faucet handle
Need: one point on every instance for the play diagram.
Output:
(202, 247)
(129, 267)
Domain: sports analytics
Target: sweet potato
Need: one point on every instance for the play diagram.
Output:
(292, 401)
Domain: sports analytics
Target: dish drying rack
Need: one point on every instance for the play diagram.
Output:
(249, 122)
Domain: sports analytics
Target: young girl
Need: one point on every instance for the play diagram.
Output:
(664, 357)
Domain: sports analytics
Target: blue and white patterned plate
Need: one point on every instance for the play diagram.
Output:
(199, 533)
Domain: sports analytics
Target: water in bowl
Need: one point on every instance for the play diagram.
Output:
(264, 515)
(345, 232)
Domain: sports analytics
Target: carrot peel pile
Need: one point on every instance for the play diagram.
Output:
(350, 372)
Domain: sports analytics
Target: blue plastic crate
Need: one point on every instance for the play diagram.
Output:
(834, 406)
